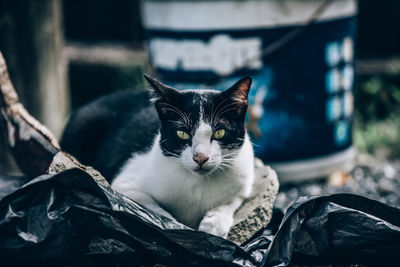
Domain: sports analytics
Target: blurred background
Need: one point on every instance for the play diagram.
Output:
(326, 73)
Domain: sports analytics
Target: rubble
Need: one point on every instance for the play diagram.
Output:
(256, 212)
(375, 178)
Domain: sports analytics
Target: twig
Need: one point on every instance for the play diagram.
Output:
(32, 145)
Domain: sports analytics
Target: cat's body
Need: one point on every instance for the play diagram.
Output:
(106, 132)
(188, 158)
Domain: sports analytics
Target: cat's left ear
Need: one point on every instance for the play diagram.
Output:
(240, 91)
(160, 91)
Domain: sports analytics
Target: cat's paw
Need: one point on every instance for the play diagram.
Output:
(216, 223)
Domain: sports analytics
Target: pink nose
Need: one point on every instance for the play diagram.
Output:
(200, 158)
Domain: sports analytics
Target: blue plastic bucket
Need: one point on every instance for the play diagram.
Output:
(301, 102)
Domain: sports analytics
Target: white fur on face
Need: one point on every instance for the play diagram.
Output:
(202, 143)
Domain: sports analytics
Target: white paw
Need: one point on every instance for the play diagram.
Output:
(216, 223)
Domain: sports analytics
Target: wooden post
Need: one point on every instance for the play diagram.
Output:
(31, 39)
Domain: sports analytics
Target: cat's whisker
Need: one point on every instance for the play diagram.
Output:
(178, 122)
(179, 112)
(222, 166)
(219, 104)
(226, 106)
(229, 159)
(225, 111)
(181, 115)
(173, 107)
(221, 113)
(223, 101)
(219, 170)
(234, 153)
(162, 141)
(225, 165)
(255, 145)
(242, 139)
(232, 157)
(172, 153)
(222, 110)
(188, 170)
(214, 113)
(173, 110)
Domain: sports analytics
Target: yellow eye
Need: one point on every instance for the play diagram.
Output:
(219, 134)
(182, 135)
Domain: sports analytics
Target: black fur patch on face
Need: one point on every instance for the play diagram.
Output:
(183, 110)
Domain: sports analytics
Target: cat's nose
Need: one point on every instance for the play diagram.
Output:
(200, 158)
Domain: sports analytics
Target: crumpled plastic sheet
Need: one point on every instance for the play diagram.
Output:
(335, 229)
(69, 220)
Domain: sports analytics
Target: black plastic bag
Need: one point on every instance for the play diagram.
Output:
(336, 229)
(69, 220)
(9, 184)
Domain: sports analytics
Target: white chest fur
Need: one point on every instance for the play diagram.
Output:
(153, 178)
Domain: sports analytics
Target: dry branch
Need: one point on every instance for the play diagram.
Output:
(33, 146)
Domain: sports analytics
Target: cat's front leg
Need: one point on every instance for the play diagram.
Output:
(219, 220)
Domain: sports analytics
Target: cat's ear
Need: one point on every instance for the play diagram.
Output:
(160, 91)
(240, 91)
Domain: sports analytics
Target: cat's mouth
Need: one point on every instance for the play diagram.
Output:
(202, 171)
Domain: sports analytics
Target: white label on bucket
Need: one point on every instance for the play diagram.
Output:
(234, 14)
(221, 54)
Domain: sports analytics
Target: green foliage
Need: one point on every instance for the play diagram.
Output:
(377, 98)
(383, 135)
(377, 116)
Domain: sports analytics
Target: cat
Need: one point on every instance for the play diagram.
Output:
(183, 154)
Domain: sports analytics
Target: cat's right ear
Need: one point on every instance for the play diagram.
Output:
(160, 91)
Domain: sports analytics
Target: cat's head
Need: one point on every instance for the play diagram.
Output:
(203, 129)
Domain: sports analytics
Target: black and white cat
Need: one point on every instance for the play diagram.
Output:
(184, 154)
